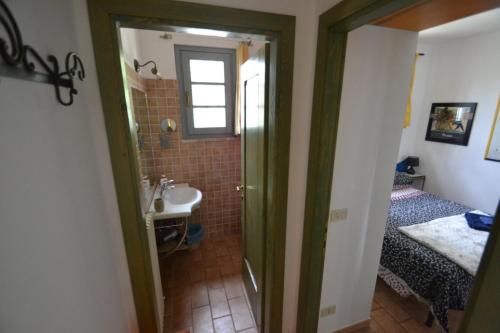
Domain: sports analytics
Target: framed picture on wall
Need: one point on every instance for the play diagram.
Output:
(493, 146)
(451, 123)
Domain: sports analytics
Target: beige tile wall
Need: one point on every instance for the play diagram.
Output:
(211, 165)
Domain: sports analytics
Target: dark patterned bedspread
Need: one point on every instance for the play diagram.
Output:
(444, 284)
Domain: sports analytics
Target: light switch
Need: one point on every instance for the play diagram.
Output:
(328, 311)
(338, 215)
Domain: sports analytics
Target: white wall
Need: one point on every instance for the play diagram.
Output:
(145, 45)
(411, 134)
(97, 268)
(130, 47)
(376, 79)
(61, 251)
(70, 265)
(458, 70)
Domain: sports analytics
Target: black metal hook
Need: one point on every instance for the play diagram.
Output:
(13, 52)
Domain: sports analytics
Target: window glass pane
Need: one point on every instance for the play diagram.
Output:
(209, 95)
(209, 117)
(206, 71)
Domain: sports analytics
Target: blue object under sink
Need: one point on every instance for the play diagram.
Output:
(195, 234)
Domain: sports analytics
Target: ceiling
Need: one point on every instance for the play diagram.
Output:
(469, 26)
(431, 13)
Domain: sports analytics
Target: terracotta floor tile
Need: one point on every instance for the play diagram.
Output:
(209, 254)
(228, 269)
(196, 256)
(212, 272)
(455, 319)
(202, 320)
(206, 245)
(184, 331)
(215, 283)
(169, 306)
(235, 251)
(180, 322)
(220, 309)
(224, 260)
(224, 325)
(182, 291)
(199, 295)
(237, 267)
(374, 327)
(222, 251)
(392, 306)
(167, 324)
(361, 330)
(415, 309)
(218, 303)
(210, 262)
(181, 306)
(233, 286)
(213, 278)
(249, 330)
(241, 313)
(413, 326)
(237, 259)
(387, 322)
(197, 274)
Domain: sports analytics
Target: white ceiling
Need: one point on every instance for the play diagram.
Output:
(468, 26)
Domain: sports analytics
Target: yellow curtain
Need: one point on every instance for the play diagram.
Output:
(408, 103)
(241, 57)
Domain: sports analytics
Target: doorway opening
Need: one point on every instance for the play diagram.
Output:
(425, 281)
(178, 162)
(197, 113)
(346, 234)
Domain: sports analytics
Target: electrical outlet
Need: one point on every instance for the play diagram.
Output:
(338, 215)
(328, 311)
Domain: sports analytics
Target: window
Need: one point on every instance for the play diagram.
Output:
(206, 78)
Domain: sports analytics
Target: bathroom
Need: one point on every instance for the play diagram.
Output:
(189, 178)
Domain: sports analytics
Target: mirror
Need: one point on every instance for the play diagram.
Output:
(493, 147)
(144, 148)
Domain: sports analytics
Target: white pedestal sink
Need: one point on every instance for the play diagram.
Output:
(179, 201)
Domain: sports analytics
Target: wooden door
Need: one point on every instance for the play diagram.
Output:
(254, 88)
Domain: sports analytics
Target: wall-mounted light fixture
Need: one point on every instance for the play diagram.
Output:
(154, 69)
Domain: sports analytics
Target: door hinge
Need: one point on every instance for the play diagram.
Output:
(325, 236)
(124, 108)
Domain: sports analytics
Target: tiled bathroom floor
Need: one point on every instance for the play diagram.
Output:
(204, 289)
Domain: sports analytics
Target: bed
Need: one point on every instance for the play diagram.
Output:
(407, 265)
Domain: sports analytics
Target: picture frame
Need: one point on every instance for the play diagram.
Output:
(492, 152)
(451, 123)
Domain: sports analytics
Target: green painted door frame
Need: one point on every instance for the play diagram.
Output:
(333, 28)
(106, 16)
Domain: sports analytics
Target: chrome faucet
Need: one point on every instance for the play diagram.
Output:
(167, 185)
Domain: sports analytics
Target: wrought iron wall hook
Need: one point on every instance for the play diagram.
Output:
(22, 61)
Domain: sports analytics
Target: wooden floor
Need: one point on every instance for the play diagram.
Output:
(393, 314)
(204, 290)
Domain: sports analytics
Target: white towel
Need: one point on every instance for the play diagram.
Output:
(452, 237)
